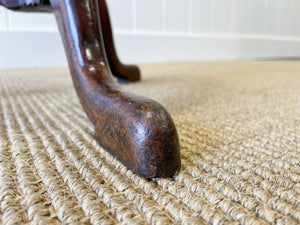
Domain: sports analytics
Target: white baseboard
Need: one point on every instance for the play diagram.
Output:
(21, 49)
(27, 49)
(156, 48)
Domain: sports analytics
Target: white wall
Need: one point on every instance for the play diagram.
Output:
(165, 30)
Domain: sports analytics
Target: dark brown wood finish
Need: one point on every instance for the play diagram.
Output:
(124, 72)
(137, 130)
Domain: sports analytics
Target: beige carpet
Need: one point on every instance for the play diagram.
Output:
(239, 130)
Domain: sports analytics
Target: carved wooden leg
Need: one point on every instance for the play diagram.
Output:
(124, 72)
(137, 130)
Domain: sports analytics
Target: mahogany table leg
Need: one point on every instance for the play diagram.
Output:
(125, 72)
(137, 130)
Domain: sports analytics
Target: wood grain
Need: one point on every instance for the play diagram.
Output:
(136, 130)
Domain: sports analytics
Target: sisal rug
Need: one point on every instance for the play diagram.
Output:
(239, 130)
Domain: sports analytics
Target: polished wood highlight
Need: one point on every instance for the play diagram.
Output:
(137, 130)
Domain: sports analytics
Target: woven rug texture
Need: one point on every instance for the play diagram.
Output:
(239, 129)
